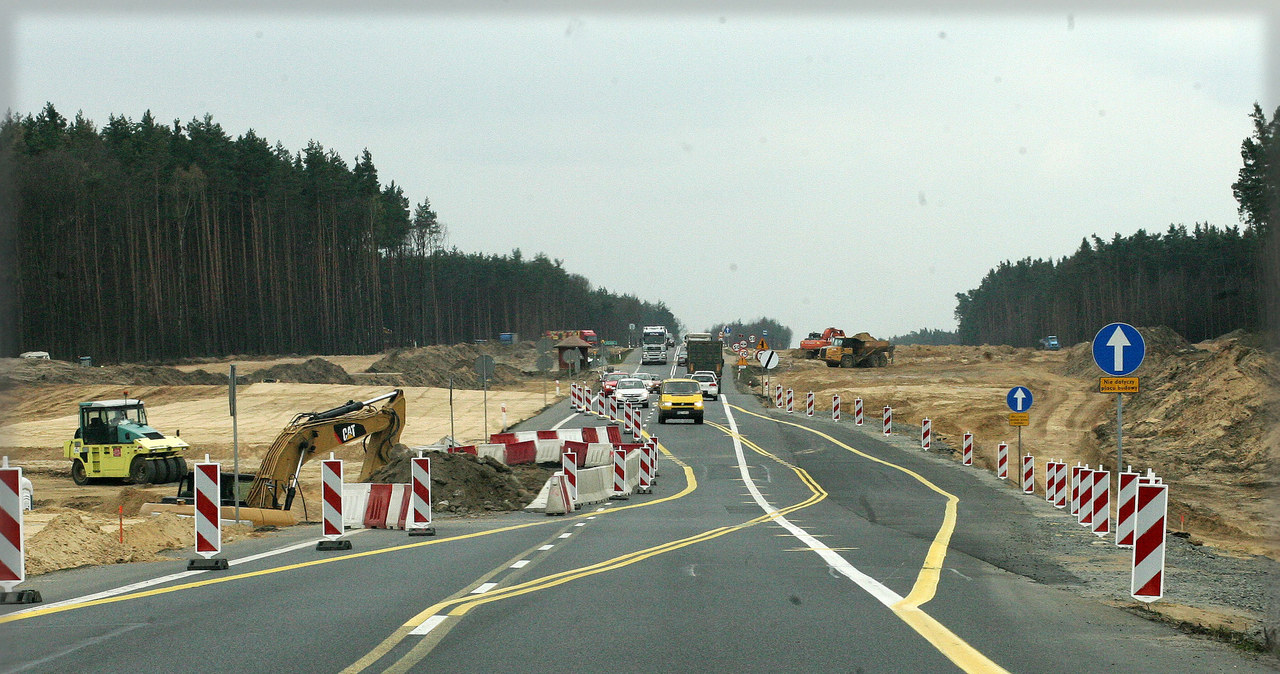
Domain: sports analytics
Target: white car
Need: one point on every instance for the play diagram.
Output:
(632, 390)
(25, 493)
(707, 381)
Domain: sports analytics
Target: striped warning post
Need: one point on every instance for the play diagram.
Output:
(420, 505)
(1028, 474)
(1127, 500)
(613, 409)
(1085, 514)
(857, 411)
(1147, 578)
(331, 498)
(13, 566)
(1061, 495)
(628, 424)
(1002, 461)
(926, 434)
(808, 404)
(1074, 506)
(791, 401)
(646, 480)
(619, 474)
(835, 407)
(574, 398)
(653, 447)
(777, 396)
(888, 421)
(209, 509)
(1101, 503)
(569, 465)
(966, 450)
(1050, 475)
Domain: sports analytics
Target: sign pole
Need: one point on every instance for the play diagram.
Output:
(1119, 431)
(235, 444)
(451, 431)
(484, 385)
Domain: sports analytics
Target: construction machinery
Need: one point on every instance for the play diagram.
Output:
(313, 434)
(810, 347)
(114, 441)
(860, 350)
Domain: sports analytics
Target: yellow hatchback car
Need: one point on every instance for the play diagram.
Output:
(680, 399)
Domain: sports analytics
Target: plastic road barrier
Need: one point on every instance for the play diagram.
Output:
(808, 404)
(1028, 474)
(791, 401)
(1085, 515)
(331, 498)
(569, 466)
(857, 411)
(420, 509)
(646, 479)
(835, 407)
(558, 500)
(966, 450)
(1127, 499)
(777, 396)
(1002, 461)
(1101, 503)
(1060, 493)
(208, 517)
(926, 434)
(619, 475)
(13, 567)
(1147, 578)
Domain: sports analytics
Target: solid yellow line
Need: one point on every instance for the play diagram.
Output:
(691, 484)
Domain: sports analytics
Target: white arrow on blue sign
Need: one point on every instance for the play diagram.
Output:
(1118, 349)
(1019, 399)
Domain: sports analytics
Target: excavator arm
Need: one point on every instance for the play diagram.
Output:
(312, 434)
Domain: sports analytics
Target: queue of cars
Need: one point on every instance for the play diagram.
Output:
(678, 398)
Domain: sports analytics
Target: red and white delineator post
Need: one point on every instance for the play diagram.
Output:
(1147, 578)
(574, 397)
(926, 434)
(966, 450)
(1101, 503)
(791, 401)
(208, 519)
(1085, 515)
(1075, 489)
(13, 562)
(569, 466)
(1061, 494)
(888, 420)
(613, 409)
(331, 505)
(777, 396)
(808, 404)
(835, 407)
(1126, 504)
(628, 423)
(1028, 474)
(1002, 461)
(1050, 474)
(619, 475)
(646, 468)
(419, 521)
(857, 411)
(653, 447)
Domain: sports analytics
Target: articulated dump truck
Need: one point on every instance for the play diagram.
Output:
(860, 350)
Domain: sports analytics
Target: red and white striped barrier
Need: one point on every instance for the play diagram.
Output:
(613, 409)
(1060, 492)
(619, 475)
(1074, 507)
(1050, 481)
(1147, 578)
(1127, 500)
(13, 561)
(1002, 461)
(646, 471)
(1085, 515)
(777, 396)
(208, 517)
(966, 450)
(808, 404)
(653, 447)
(791, 401)
(857, 411)
(569, 466)
(1101, 503)
(835, 407)
(888, 421)
(331, 498)
(926, 434)
(420, 505)
(575, 397)
(1028, 474)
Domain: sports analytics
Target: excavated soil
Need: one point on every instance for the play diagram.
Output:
(462, 483)
(71, 539)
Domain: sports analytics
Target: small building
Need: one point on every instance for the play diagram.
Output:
(571, 353)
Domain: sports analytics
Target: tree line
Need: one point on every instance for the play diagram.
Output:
(1202, 282)
(145, 241)
(777, 335)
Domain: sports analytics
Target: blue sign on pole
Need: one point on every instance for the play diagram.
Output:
(1118, 349)
(1019, 399)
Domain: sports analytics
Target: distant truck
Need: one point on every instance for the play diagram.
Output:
(1050, 343)
(588, 336)
(810, 347)
(703, 353)
(652, 354)
(860, 350)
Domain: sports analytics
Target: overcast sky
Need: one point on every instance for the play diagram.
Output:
(848, 169)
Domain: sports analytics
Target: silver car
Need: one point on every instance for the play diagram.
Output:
(632, 390)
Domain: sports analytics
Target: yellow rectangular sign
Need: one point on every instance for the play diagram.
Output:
(1118, 384)
(1019, 418)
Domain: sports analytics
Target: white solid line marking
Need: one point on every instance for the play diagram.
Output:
(563, 422)
(546, 547)
(565, 535)
(483, 588)
(429, 624)
(520, 564)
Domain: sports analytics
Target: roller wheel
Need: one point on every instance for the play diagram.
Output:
(79, 475)
(164, 471)
(180, 468)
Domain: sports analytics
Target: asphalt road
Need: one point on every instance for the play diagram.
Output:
(771, 543)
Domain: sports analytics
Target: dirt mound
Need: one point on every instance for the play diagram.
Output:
(462, 483)
(73, 539)
(15, 371)
(436, 365)
(313, 371)
(1161, 343)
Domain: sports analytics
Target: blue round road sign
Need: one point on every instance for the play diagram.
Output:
(1118, 349)
(1019, 399)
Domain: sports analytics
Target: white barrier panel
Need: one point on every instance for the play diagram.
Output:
(548, 450)
(574, 434)
(595, 484)
(355, 498)
(496, 452)
(599, 454)
(398, 505)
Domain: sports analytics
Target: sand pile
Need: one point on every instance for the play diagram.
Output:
(313, 371)
(72, 540)
(14, 371)
(461, 483)
(435, 365)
